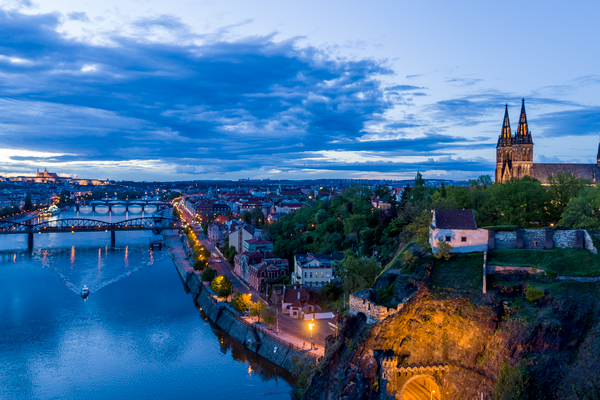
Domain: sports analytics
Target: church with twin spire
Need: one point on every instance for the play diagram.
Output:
(514, 156)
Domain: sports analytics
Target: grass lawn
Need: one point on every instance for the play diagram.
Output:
(566, 262)
(463, 272)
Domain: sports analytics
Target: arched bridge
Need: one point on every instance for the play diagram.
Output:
(156, 224)
(110, 203)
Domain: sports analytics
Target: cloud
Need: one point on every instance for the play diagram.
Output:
(463, 81)
(403, 88)
(218, 105)
(78, 16)
(581, 122)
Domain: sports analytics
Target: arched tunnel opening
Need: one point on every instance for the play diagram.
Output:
(421, 388)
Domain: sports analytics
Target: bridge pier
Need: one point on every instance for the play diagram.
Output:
(112, 238)
(143, 206)
(109, 207)
(30, 241)
(93, 208)
(77, 207)
(126, 207)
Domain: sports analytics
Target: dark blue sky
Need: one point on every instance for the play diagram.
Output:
(124, 92)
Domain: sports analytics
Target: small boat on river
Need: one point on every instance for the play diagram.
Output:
(85, 291)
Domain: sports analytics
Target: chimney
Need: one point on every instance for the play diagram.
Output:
(298, 295)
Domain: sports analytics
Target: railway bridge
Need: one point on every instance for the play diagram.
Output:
(72, 225)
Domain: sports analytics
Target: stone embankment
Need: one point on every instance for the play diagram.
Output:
(258, 341)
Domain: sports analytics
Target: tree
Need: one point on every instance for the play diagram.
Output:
(208, 275)
(484, 181)
(321, 216)
(256, 308)
(563, 187)
(358, 273)
(419, 181)
(28, 203)
(444, 250)
(443, 193)
(520, 201)
(240, 301)
(269, 316)
(216, 283)
(65, 197)
(583, 211)
(226, 287)
(258, 216)
(418, 230)
(231, 254)
(247, 217)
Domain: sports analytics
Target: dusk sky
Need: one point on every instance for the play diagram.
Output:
(182, 90)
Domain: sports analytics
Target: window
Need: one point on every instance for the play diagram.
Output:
(322, 274)
(311, 274)
(463, 239)
(305, 274)
(448, 238)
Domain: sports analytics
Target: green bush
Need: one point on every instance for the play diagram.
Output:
(208, 275)
(512, 383)
(240, 301)
(386, 294)
(533, 294)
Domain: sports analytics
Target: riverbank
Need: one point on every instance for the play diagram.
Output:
(254, 338)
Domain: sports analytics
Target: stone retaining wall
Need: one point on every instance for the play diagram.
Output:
(541, 239)
(269, 348)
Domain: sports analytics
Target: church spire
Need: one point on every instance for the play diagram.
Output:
(523, 136)
(523, 128)
(506, 125)
(505, 136)
(598, 158)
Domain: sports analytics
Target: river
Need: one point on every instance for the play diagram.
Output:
(138, 335)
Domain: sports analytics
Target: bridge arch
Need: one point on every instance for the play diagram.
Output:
(421, 387)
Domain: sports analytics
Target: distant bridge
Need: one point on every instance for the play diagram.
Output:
(156, 224)
(110, 203)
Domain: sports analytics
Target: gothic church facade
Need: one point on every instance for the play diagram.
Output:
(514, 156)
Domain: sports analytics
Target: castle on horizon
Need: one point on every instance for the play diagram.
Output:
(514, 156)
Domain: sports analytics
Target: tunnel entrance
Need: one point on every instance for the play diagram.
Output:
(421, 387)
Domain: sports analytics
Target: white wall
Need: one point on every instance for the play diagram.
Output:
(476, 239)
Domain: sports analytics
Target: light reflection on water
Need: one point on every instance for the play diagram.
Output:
(137, 336)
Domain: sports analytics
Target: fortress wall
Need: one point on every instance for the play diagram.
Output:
(505, 240)
(534, 239)
(541, 239)
(564, 239)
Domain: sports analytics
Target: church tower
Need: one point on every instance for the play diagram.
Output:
(522, 154)
(504, 151)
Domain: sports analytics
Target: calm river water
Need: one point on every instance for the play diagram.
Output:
(139, 335)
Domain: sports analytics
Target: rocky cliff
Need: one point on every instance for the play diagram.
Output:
(451, 342)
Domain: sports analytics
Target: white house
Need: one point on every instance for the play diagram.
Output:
(459, 230)
(314, 270)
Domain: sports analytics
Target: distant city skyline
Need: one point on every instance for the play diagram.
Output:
(305, 90)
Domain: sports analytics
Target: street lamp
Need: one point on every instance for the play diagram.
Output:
(310, 326)
(432, 392)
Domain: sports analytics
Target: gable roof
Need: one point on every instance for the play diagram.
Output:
(454, 219)
(291, 295)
